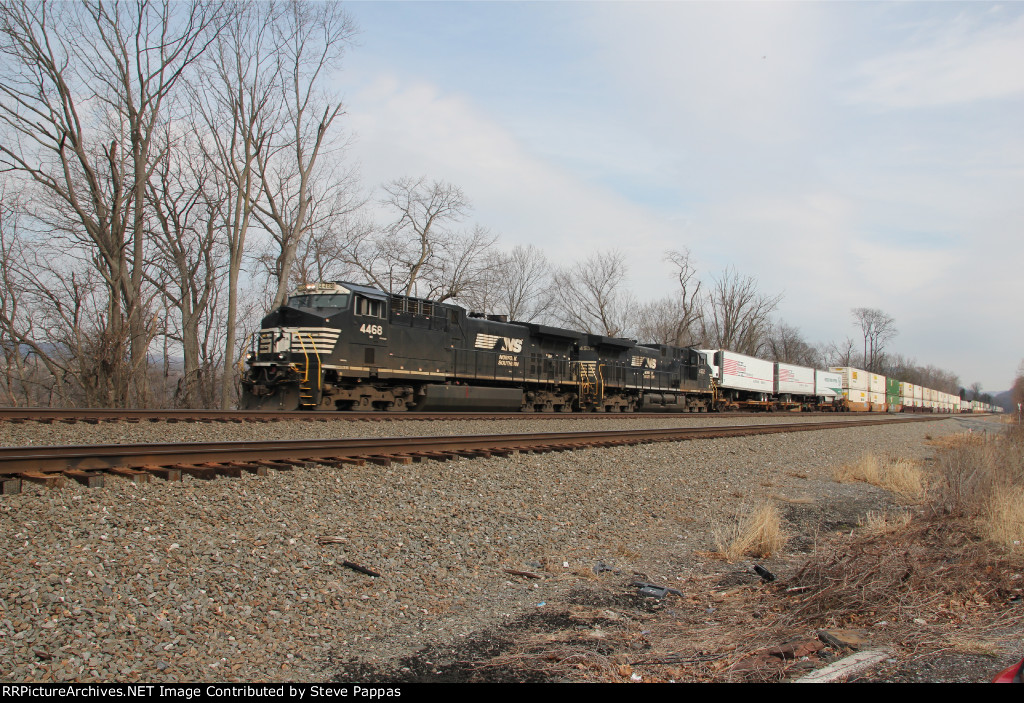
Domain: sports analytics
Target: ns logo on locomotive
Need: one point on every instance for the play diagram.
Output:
(341, 346)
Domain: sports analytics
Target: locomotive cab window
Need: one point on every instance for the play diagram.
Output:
(369, 307)
(335, 301)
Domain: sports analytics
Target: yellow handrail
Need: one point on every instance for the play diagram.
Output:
(305, 354)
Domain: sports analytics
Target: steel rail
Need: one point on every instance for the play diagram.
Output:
(15, 460)
(97, 415)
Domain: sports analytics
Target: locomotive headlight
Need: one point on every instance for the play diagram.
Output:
(280, 355)
(250, 356)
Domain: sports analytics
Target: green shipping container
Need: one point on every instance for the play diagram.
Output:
(892, 387)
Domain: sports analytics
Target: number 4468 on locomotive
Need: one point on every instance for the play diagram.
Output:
(341, 346)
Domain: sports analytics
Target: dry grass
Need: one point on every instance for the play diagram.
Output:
(900, 476)
(1003, 517)
(982, 478)
(883, 522)
(866, 469)
(758, 534)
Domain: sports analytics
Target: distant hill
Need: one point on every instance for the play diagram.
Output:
(1004, 399)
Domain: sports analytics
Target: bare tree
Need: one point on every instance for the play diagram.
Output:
(83, 96)
(1017, 393)
(236, 98)
(976, 390)
(840, 353)
(877, 329)
(187, 262)
(737, 316)
(660, 322)
(323, 254)
(787, 345)
(310, 40)
(420, 253)
(591, 295)
(518, 285)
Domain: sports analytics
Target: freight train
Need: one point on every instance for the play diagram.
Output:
(342, 346)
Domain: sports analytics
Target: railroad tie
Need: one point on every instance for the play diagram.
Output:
(49, 480)
(278, 465)
(204, 473)
(131, 474)
(163, 472)
(256, 469)
(89, 479)
(340, 462)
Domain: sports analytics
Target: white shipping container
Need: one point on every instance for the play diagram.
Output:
(855, 396)
(743, 373)
(828, 385)
(876, 383)
(795, 380)
(906, 401)
(906, 389)
(852, 378)
(919, 394)
(877, 400)
(858, 399)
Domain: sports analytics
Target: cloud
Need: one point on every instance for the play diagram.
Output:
(963, 60)
(414, 128)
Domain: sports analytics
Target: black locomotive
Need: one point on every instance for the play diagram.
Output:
(340, 346)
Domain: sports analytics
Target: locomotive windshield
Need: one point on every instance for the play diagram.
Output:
(336, 301)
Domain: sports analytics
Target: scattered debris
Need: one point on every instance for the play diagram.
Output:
(652, 590)
(846, 667)
(766, 576)
(360, 569)
(525, 574)
(844, 639)
(330, 540)
(601, 567)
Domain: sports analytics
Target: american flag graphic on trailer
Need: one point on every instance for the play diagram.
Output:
(734, 368)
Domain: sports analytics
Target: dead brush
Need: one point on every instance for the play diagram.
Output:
(561, 654)
(930, 569)
(758, 534)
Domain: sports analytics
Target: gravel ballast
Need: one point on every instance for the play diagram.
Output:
(228, 580)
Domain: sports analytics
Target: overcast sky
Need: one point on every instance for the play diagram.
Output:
(845, 154)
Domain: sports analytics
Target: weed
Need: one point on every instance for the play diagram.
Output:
(757, 534)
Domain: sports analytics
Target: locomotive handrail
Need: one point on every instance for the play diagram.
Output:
(305, 354)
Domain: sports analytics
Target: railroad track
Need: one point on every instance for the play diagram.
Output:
(97, 416)
(90, 464)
